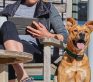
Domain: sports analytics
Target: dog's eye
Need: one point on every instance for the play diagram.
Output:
(75, 30)
(86, 31)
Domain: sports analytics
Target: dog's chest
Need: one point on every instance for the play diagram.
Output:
(75, 70)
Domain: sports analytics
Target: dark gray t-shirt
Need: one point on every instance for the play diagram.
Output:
(25, 11)
(28, 12)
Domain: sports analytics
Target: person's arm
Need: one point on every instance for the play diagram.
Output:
(57, 23)
(39, 31)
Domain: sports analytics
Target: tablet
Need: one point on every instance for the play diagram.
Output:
(21, 23)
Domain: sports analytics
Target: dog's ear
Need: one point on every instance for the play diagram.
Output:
(70, 22)
(89, 24)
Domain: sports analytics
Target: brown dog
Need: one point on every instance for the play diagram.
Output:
(74, 66)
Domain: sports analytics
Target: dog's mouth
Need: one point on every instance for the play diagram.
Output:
(80, 44)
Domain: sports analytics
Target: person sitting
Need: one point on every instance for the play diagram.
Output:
(50, 19)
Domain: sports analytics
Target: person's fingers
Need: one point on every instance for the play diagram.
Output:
(41, 25)
(33, 33)
(36, 25)
(59, 37)
(30, 29)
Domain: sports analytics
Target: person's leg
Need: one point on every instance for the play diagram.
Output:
(11, 74)
(34, 49)
(12, 42)
(16, 46)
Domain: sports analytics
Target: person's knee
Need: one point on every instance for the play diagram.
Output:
(7, 25)
(9, 31)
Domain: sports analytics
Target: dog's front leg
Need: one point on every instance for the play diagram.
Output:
(88, 78)
(61, 75)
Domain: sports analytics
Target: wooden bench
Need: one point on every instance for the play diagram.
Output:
(48, 42)
(11, 57)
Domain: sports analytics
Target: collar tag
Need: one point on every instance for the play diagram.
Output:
(79, 57)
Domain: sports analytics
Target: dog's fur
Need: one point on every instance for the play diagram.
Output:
(69, 69)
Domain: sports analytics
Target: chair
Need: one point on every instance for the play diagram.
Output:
(11, 57)
(47, 42)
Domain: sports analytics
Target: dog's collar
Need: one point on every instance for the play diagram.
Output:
(75, 56)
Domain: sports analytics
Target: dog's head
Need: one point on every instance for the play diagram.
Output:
(79, 36)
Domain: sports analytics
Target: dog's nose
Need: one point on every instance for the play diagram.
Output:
(82, 35)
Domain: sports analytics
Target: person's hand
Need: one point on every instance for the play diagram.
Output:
(59, 37)
(39, 31)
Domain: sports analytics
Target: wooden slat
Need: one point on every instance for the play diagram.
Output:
(3, 73)
(37, 69)
(47, 55)
(47, 63)
(9, 57)
(52, 42)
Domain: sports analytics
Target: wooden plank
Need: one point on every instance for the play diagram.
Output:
(9, 57)
(37, 68)
(3, 73)
(52, 42)
(55, 79)
(47, 63)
